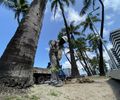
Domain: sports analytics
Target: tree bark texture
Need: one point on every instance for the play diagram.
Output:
(17, 61)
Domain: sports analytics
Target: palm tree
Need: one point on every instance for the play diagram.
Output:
(94, 63)
(7, 3)
(81, 51)
(101, 62)
(16, 63)
(87, 4)
(79, 45)
(93, 43)
(20, 7)
(60, 4)
(87, 23)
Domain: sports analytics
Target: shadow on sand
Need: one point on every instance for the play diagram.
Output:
(115, 85)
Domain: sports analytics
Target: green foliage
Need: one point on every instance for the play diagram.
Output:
(26, 97)
(60, 3)
(13, 98)
(54, 69)
(87, 4)
(93, 41)
(53, 93)
(33, 97)
(18, 6)
(88, 24)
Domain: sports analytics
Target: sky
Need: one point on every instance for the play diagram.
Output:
(52, 25)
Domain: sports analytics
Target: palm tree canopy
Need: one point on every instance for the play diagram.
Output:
(18, 6)
(21, 6)
(73, 29)
(86, 6)
(57, 3)
(87, 23)
(93, 41)
(7, 3)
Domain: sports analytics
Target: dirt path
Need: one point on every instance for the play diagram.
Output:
(101, 89)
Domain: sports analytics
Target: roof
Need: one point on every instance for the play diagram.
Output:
(41, 70)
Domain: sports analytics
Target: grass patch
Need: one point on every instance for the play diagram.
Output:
(13, 98)
(26, 97)
(33, 97)
(53, 93)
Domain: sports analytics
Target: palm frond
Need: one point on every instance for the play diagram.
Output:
(87, 4)
(67, 2)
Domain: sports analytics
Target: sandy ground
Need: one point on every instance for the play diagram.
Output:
(101, 89)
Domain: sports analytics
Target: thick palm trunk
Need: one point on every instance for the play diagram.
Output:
(17, 61)
(74, 69)
(101, 65)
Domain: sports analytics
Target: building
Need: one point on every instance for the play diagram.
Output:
(114, 61)
(115, 39)
(115, 51)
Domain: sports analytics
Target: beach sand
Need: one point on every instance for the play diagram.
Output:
(101, 89)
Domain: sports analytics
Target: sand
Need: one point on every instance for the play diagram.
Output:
(101, 89)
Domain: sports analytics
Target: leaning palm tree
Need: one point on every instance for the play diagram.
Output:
(87, 4)
(17, 61)
(81, 46)
(60, 4)
(20, 7)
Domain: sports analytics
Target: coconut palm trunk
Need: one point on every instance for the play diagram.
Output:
(74, 69)
(83, 65)
(17, 61)
(101, 62)
(85, 62)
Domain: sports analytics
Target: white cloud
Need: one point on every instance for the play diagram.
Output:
(109, 20)
(108, 17)
(106, 33)
(74, 16)
(90, 54)
(67, 50)
(66, 64)
(110, 23)
(47, 49)
(47, 7)
(106, 55)
(114, 4)
(109, 46)
(57, 16)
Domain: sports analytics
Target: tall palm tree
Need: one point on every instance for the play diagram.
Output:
(101, 63)
(17, 61)
(60, 4)
(20, 7)
(87, 4)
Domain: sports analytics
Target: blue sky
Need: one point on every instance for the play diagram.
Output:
(51, 27)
